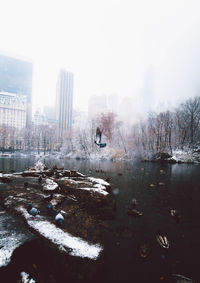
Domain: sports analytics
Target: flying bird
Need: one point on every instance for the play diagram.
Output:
(98, 138)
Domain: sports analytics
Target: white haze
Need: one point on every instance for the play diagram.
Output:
(145, 50)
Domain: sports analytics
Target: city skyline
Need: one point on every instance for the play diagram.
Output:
(108, 46)
(16, 76)
(15, 92)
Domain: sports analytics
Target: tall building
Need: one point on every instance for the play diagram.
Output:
(147, 101)
(13, 110)
(49, 112)
(16, 79)
(64, 100)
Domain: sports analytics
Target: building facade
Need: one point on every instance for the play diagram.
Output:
(16, 80)
(13, 110)
(39, 119)
(64, 100)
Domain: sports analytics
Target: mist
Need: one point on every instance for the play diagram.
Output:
(111, 47)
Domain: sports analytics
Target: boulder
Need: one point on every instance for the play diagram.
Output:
(83, 201)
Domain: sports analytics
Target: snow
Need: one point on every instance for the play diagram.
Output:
(10, 199)
(50, 185)
(57, 198)
(63, 212)
(72, 197)
(97, 189)
(6, 175)
(39, 166)
(10, 239)
(80, 174)
(31, 171)
(74, 245)
(25, 278)
(68, 179)
(18, 173)
(99, 181)
(187, 156)
(10, 243)
(20, 195)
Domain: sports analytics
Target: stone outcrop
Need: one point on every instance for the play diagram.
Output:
(85, 202)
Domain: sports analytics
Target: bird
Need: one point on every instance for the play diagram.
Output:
(144, 250)
(32, 210)
(50, 207)
(152, 185)
(59, 218)
(161, 184)
(162, 240)
(181, 278)
(98, 138)
(174, 213)
(134, 212)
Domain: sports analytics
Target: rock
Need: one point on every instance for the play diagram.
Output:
(163, 155)
(50, 186)
(172, 160)
(4, 179)
(83, 201)
(31, 174)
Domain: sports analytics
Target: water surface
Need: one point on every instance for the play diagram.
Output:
(131, 180)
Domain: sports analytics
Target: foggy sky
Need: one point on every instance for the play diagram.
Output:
(109, 45)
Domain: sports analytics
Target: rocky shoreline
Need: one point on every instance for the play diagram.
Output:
(85, 202)
(178, 156)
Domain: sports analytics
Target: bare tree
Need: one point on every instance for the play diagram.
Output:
(191, 113)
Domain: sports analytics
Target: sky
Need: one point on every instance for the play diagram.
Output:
(109, 45)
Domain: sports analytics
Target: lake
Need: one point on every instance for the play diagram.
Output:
(122, 261)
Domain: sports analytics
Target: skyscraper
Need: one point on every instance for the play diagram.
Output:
(147, 103)
(64, 100)
(16, 81)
